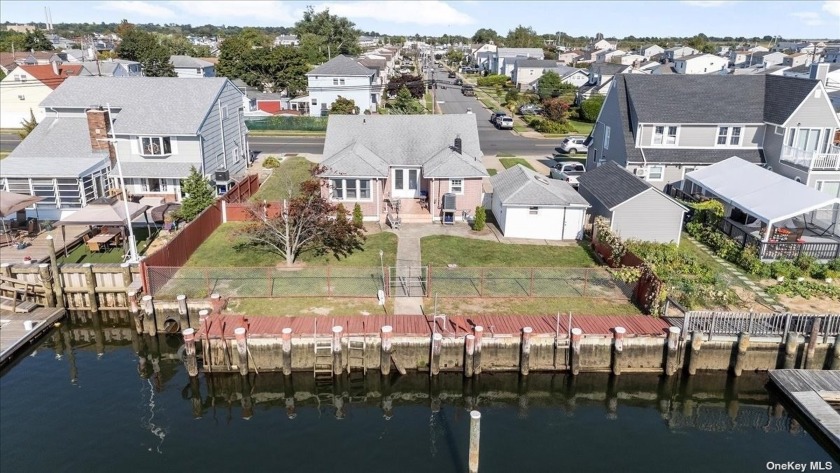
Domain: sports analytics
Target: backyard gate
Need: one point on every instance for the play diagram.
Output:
(408, 281)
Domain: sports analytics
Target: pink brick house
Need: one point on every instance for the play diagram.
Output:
(405, 162)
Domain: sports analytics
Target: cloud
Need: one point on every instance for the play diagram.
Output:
(419, 13)
(145, 9)
(259, 12)
(809, 18)
(832, 8)
(706, 3)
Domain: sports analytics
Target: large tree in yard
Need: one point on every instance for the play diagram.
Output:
(306, 222)
(199, 195)
(414, 84)
(343, 106)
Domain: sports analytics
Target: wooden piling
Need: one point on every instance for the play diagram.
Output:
(479, 334)
(696, 345)
(574, 354)
(189, 351)
(741, 356)
(672, 346)
(475, 436)
(183, 311)
(338, 365)
(90, 285)
(618, 349)
(134, 310)
(469, 353)
(47, 280)
(149, 319)
(287, 351)
(216, 303)
(58, 287)
(810, 351)
(125, 269)
(835, 354)
(525, 351)
(434, 365)
(791, 347)
(242, 348)
(385, 349)
(203, 324)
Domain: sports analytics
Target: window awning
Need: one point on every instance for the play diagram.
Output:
(764, 194)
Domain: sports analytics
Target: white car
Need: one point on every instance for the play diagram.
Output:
(574, 145)
(504, 123)
(568, 171)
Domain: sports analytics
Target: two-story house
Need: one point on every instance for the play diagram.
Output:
(26, 86)
(676, 52)
(700, 64)
(796, 60)
(192, 68)
(111, 68)
(650, 50)
(607, 55)
(160, 128)
(600, 79)
(568, 57)
(342, 76)
(661, 126)
(504, 60)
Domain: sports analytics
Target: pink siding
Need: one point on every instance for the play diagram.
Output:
(369, 208)
(468, 201)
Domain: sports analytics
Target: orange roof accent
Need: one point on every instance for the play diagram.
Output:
(46, 75)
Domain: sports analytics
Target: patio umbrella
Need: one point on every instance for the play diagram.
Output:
(104, 212)
(158, 213)
(10, 203)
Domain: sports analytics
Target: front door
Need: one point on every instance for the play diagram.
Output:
(572, 223)
(405, 183)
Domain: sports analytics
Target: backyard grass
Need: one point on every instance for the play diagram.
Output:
(581, 128)
(492, 171)
(531, 306)
(312, 306)
(511, 162)
(225, 249)
(440, 250)
(81, 254)
(291, 172)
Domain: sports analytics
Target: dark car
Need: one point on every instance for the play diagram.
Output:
(459, 82)
(452, 75)
(468, 90)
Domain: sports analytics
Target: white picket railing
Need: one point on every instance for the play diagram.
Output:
(813, 160)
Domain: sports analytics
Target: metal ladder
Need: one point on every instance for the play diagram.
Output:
(323, 356)
(356, 351)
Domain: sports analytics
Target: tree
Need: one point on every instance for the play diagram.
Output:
(556, 109)
(480, 218)
(523, 37)
(414, 84)
(591, 107)
(306, 223)
(143, 47)
(485, 35)
(549, 84)
(28, 125)
(454, 56)
(199, 195)
(10, 40)
(358, 216)
(406, 104)
(339, 34)
(36, 41)
(274, 69)
(343, 106)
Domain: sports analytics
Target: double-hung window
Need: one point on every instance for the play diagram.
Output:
(729, 136)
(155, 146)
(456, 186)
(350, 189)
(664, 135)
(655, 173)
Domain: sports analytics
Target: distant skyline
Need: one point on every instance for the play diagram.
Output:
(789, 19)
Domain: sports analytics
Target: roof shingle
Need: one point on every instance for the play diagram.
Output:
(521, 186)
(611, 184)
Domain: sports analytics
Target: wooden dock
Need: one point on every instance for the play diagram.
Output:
(14, 335)
(810, 392)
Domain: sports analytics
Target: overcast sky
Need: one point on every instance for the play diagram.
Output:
(790, 19)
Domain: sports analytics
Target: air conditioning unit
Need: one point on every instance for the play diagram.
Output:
(222, 176)
(641, 172)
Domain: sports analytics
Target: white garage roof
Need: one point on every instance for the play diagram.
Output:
(764, 194)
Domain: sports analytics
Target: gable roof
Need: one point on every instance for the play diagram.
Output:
(188, 62)
(522, 186)
(341, 65)
(782, 96)
(535, 63)
(57, 147)
(613, 185)
(143, 105)
(524, 52)
(45, 74)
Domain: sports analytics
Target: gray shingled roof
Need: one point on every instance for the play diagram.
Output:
(782, 95)
(513, 52)
(188, 62)
(146, 105)
(160, 169)
(341, 66)
(521, 186)
(535, 63)
(360, 145)
(611, 184)
(608, 68)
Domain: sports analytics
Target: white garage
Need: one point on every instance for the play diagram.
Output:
(528, 205)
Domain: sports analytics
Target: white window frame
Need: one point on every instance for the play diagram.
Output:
(533, 210)
(655, 134)
(144, 184)
(606, 138)
(159, 140)
(727, 132)
(668, 135)
(343, 190)
(459, 186)
(341, 82)
(335, 81)
(235, 154)
(821, 183)
(661, 174)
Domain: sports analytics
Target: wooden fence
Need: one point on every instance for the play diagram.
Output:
(647, 287)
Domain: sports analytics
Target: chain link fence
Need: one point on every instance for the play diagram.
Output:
(526, 282)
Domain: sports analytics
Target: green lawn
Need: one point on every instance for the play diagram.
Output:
(302, 306)
(581, 128)
(492, 172)
(291, 172)
(224, 248)
(511, 162)
(533, 306)
(81, 254)
(440, 250)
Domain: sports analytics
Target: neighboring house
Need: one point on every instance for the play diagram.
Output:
(739, 57)
(111, 68)
(192, 68)
(373, 160)
(568, 75)
(700, 64)
(601, 44)
(793, 46)
(368, 41)
(504, 60)
(758, 49)
(723, 50)
(764, 59)
(600, 79)
(162, 126)
(635, 209)
(568, 57)
(608, 55)
(22, 91)
(342, 76)
(286, 40)
(672, 54)
(529, 205)
(486, 50)
(650, 50)
(630, 59)
(832, 54)
(9, 61)
(797, 59)
(526, 71)
(660, 127)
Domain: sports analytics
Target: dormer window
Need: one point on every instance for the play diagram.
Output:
(155, 146)
(729, 136)
(664, 135)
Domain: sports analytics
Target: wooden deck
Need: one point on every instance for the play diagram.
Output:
(13, 334)
(809, 391)
(38, 249)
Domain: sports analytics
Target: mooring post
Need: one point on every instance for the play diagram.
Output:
(58, 285)
(475, 435)
(125, 269)
(791, 347)
(741, 357)
(525, 351)
(242, 348)
(183, 311)
(216, 303)
(338, 367)
(835, 354)
(810, 352)
(134, 309)
(47, 280)
(90, 285)
(479, 334)
(673, 344)
(204, 325)
(385, 349)
(618, 349)
(577, 334)
(287, 351)
(469, 353)
(696, 345)
(149, 319)
(437, 341)
(189, 351)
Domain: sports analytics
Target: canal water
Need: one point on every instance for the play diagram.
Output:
(93, 396)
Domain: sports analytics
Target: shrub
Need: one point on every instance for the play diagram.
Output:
(358, 216)
(550, 126)
(785, 269)
(806, 289)
(480, 218)
(492, 80)
(271, 162)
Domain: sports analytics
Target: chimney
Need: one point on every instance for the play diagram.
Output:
(55, 67)
(819, 71)
(458, 144)
(98, 128)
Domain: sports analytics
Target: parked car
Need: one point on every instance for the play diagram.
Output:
(573, 145)
(459, 82)
(468, 90)
(497, 114)
(452, 75)
(530, 109)
(568, 171)
(504, 123)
